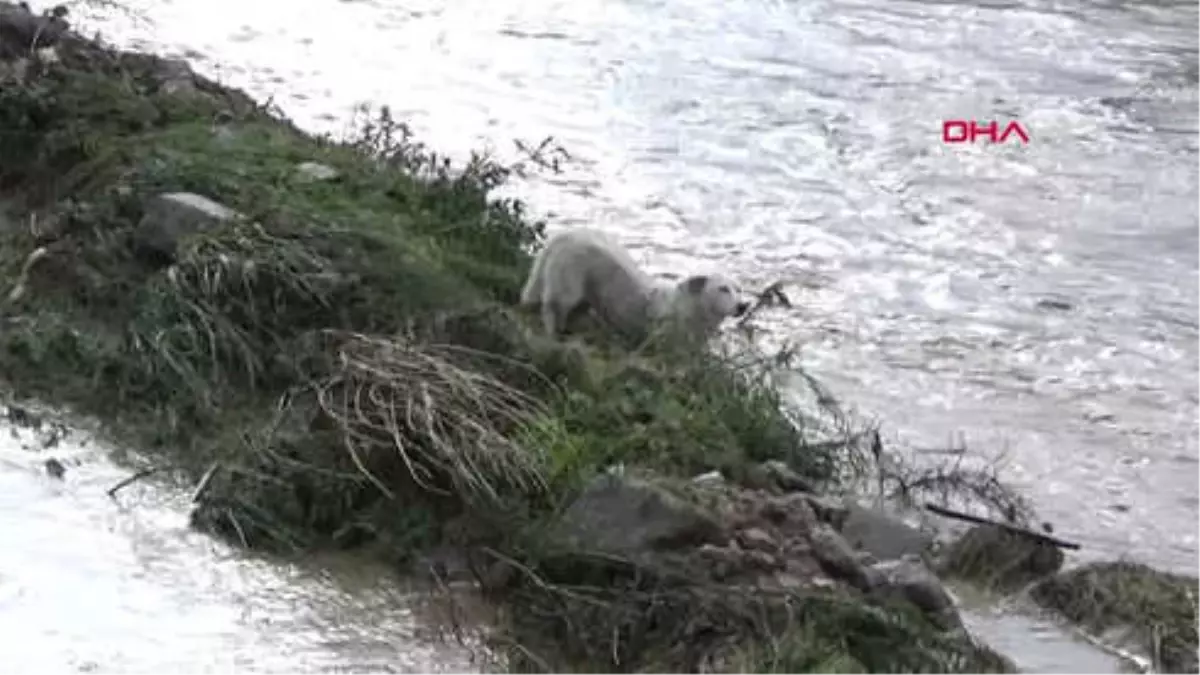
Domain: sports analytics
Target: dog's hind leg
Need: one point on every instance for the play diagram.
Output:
(553, 318)
(531, 293)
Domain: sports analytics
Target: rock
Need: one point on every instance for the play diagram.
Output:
(316, 172)
(627, 516)
(756, 539)
(764, 561)
(55, 468)
(804, 568)
(710, 478)
(169, 218)
(723, 562)
(911, 580)
(837, 558)
(775, 475)
(999, 559)
(791, 510)
(883, 536)
(829, 509)
(175, 76)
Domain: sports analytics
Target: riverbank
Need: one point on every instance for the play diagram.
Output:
(255, 307)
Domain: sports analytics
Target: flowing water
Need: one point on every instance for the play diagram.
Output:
(93, 583)
(1035, 299)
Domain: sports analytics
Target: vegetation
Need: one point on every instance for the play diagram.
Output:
(1159, 608)
(342, 366)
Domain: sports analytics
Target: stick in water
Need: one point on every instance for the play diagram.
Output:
(771, 296)
(112, 492)
(959, 515)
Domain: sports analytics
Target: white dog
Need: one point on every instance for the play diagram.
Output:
(584, 268)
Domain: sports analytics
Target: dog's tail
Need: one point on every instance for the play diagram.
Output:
(531, 294)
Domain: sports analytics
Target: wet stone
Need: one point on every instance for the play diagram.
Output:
(791, 509)
(775, 476)
(623, 515)
(911, 580)
(837, 558)
(169, 218)
(756, 539)
(55, 469)
(829, 509)
(175, 77)
(884, 536)
(315, 172)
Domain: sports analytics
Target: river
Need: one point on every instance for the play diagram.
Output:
(1033, 300)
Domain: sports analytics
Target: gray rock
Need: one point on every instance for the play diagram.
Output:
(722, 561)
(829, 509)
(756, 539)
(883, 536)
(775, 475)
(837, 558)
(316, 172)
(764, 561)
(911, 580)
(710, 478)
(627, 516)
(175, 77)
(790, 512)
(169, 218)
(55, 468)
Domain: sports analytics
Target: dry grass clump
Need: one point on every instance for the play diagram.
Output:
(443, 422)
(1160, 609)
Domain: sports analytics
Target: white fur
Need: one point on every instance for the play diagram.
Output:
(586, 268)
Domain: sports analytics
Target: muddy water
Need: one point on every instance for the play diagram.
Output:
(93, 583)
(1038, 300)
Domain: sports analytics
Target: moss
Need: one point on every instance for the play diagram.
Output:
(1159, 607)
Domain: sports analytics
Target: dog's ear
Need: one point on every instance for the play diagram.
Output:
(695, 285)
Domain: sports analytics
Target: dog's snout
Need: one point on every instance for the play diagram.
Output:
(742, 308)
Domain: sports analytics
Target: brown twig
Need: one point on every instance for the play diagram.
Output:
(770, 296)
(958, 515)
(112, 491)
(205, 480)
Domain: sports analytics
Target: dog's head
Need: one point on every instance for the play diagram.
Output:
(717, 296)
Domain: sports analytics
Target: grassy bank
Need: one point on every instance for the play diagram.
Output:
(340, 365)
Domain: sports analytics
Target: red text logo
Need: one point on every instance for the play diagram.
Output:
(968, 131)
